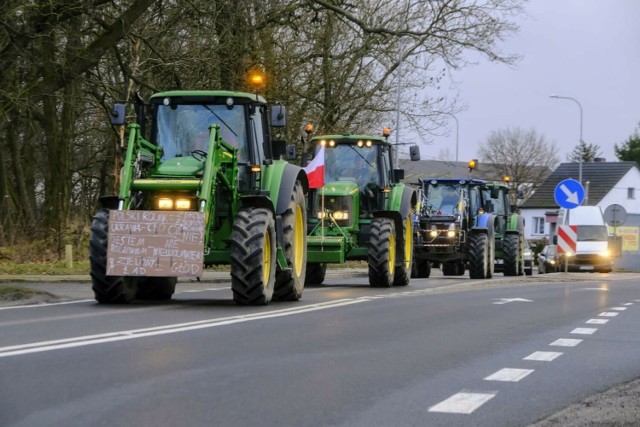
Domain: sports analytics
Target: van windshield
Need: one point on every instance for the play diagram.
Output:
(592, 233)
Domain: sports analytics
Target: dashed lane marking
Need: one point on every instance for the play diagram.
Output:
(543, 356)
(608, 314)
(597, 321)
(584, 331)
(566, 342)
(463, 403)
(509, 375)
(618, 308)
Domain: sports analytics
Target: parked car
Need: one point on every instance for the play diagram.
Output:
(528, 259)
(548, 260)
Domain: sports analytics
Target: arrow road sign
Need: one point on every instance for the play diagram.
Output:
(569, 194)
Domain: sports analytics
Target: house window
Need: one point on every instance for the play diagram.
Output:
(631, 193)
(538, 225)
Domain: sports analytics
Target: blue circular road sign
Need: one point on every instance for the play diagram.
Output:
(569, 194)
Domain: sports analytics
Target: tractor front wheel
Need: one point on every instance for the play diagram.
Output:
(382, 253)
(253, 256)
(403, 273)
(315, 273)
(156, 288)
(511, 254)
(421, 269)
(290, 283)
(479, 256)
(107, 289)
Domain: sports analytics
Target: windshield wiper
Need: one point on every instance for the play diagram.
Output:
(361, 156)
(220, 119)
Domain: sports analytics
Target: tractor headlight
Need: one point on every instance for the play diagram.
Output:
(178, 203)
(605, 253)
(552, 262)
(451, 233)
(340, 215)
(165, 203)
(183, 204)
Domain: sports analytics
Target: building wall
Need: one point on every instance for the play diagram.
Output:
(619, 194)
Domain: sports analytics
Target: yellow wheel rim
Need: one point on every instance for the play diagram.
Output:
(392, 253)
(298, 241)
(266, 260)
(408, 243)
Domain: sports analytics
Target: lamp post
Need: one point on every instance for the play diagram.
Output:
(457, 133)
(581, 152)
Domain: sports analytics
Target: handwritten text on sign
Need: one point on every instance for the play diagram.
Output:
(155, 243)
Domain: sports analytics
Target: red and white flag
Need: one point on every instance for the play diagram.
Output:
(315, 170)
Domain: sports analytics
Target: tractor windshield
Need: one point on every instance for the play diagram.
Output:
(181, 129)
(444, 198)
(346, 162)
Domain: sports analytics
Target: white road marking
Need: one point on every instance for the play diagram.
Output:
(463, 403)
(46, 304)
(629, 303)
(509, 374)
(608, 314)
(618, 308)
(507, 300)
(82, 341)
(543, 356)
(566, 342)
(584, 331)
(597, 321)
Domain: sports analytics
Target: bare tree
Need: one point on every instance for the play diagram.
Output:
(589, 152)
(523, 155)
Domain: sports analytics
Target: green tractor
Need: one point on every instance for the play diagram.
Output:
(362, 212)
(203, 185)
(509, 229)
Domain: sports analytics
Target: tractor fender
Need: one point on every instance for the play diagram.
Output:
(485, 224)
(403, 199)
(280, 179)
(515, 224)
(290, 175)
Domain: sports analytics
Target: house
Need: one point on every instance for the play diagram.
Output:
(605, 184)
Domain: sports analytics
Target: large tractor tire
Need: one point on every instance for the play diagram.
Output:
(450, 268)
(315, 273)
(403, 272)
(511, 255)
(421, 269)
(290, 283)
(382, 253)
(479, 256)
(253, 256)
(156, 288)
(107, 289)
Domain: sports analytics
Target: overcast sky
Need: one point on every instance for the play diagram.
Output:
(585, 49)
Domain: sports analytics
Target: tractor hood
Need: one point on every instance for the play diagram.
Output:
(179, 167)
(339, 188)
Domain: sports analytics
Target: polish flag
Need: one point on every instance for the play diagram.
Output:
(315, 170)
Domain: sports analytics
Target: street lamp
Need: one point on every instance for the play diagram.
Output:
(457, 133)
(581, 152)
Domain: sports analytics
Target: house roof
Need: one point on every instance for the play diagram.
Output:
(415, 170)
(601, 178)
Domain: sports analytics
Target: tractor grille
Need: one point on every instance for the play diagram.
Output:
(340, 208)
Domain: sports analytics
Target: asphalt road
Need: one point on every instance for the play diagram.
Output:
(442, 351)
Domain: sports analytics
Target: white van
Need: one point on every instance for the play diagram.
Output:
(592, 248)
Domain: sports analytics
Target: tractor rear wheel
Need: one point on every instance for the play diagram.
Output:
(107, 289)
(403, 272)
(290, 283)
(382, 253)
(479, 256)
(253, 256)
(510, 254)
(156, 288)
(315, 273)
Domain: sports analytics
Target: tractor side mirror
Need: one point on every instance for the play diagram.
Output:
(118, 113)
(278, 116)
(398, 175)
(291, 152)
(414, 152)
